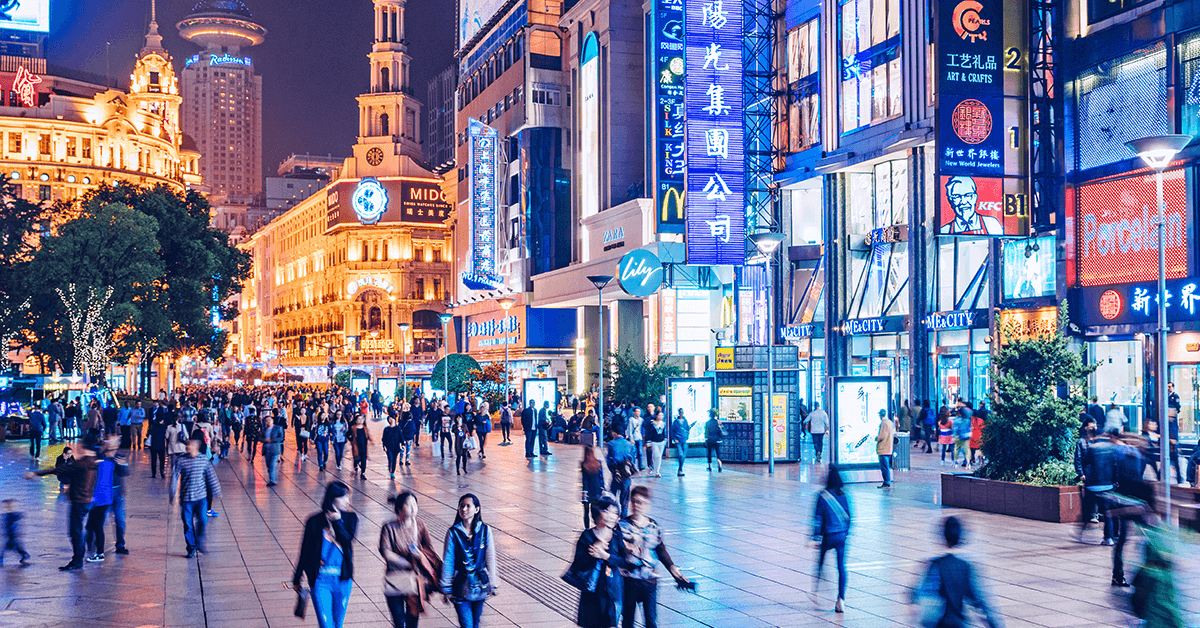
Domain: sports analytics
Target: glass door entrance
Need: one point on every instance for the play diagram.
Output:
(1186, 378)
(949, 377)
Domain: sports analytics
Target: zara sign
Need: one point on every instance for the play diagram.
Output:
(640, 273)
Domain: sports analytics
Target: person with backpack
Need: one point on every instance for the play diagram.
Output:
(506, 421)
(713, 435)
(594, 569)
(829, 532)
(949, 585)
(622, 466)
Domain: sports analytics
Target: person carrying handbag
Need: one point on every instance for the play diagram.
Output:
(412, 564)
(327, 556)
(469, 575)
(594, 571)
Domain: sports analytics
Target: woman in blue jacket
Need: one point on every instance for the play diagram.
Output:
(469, 574)
(831, 525)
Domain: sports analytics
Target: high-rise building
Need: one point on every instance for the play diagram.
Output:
(223, 113)
(439, 119)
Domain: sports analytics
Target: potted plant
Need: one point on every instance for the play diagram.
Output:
(1029, 440)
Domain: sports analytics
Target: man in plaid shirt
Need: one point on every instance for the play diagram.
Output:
(194, 482)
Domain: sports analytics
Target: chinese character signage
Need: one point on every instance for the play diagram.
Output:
(715, 217)
(25, 86)
(1137, 303)
(1027, 324)
(423, 202)
(1115, 238)
(483, 158)
(666, 77)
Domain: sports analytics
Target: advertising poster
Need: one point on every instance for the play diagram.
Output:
(589, 120)
(1116, 240)
(372, 201)
(981, 206)
(25, 15)
(1030, 268)
(388, 387)
(360, 384)
(695, 397)
(540, 391)
(779, 423)
(483, 160)
(857, 402)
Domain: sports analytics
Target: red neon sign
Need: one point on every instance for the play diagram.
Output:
(25, 86)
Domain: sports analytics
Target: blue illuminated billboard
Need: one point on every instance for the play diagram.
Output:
(716, 219)
(667, 110)
(25, 15)
(483, 159)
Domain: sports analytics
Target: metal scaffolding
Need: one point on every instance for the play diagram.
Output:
(758, 58)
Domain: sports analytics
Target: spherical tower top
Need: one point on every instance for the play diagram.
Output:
(225, 23)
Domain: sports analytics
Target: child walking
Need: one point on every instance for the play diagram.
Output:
(12, 532)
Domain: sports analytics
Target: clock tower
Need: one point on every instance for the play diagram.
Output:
(389, 116)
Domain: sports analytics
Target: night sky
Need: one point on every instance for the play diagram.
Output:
(313, 63)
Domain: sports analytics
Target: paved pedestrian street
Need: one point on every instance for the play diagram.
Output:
(745, 537)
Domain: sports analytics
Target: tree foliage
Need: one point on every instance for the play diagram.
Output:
(21, 225)
(489, 382)
(342, 378)
(632, 378)
(461, 366)
(1031, 433)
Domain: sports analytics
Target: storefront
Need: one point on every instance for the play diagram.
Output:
(540, 342)
(741, 401)
(809, 340)
(961, 355)
(879, 347)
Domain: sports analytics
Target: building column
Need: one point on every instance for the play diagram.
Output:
(920, 244)
(837, 363)
(378, 24)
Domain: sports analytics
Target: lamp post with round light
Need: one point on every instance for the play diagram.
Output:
(600, 281)
(404, 352)
(767, 242)
(1158, 152)
(506, 305)
(445, 319)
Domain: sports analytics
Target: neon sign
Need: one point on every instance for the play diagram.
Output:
(716, 218)
(369, 201)
(666, 74)
(483, 157)
(221, 59)
(25, 86)
(956, 319)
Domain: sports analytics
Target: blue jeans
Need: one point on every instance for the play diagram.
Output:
(885, 465)
(118, 511)
(322, 447)
(330, 597)
(195, 515)
(681, 453)
(79, 514)
(838, 546)
(639, 448)
(272, 466)
(469, 613)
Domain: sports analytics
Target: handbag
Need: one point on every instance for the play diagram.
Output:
(583, 580)
(469, 443)
(401, 582)
(305, 434)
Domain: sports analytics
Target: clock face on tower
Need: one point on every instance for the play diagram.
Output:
(375, 156)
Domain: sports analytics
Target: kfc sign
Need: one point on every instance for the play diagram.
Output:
(1116, 238)
(979, 206)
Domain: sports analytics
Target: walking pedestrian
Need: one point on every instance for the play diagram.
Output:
(413, 566)
(635, 432)
(120, 472)
(320, 438)
(339, 438)
(1132, 501)
(102, 500)
(949, 584)
(391, 444)
(447, 432)
(713, 435)
(592, 472)
(884, 446)
(54, 418)
(483, 427)
(361, 440)
(594, 568)
(79, 473)
(12, 532)
(946, 435)
(37, 424)
(272, 447)
(656, 442)
(830, 532)
(506, 421)
(978, 423)
(1098, 469)
(962, 431)
(461, 436)
(622, 466)
(929, 425)
(818, 424)
(302, 426)
(409, 428)
(253, 433)
(327, 556)
(545, 421)
(192, 482)
(528, 425)
(469, 575)
(681, 432)
(137, 419)
(645, 550)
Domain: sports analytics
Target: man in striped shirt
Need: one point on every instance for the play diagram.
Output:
(194, 482)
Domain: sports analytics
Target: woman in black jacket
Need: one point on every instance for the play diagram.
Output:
(599, 553)
(327, 556)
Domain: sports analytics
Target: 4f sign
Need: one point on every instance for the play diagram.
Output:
(640, 273)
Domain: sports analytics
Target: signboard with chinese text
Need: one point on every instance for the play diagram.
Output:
(735, 403)
(493, 331)
(1115, 236)
(724, 358)
(695, 397)
(372, 201)
(483, 159)
(668, 339)
(422, 201)
(1027, 324)
(1137, 303)
(715, 217)
(666, 76)
(857, 402)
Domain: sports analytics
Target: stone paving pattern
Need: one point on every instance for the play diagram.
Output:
(744, 534)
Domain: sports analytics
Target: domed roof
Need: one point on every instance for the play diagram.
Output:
(236, 7)
(187, 143)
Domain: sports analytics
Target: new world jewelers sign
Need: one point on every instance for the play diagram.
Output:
(716, 219)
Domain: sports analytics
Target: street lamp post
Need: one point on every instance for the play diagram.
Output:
(506, 304)
(600, 281)
(1158, 152)
(446, 318)
(767, 242)
(373, 381)
(404, 351)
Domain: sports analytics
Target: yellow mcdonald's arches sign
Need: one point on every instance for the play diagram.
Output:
(673, 197)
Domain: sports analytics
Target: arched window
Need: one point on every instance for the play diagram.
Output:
(384, 82)
(375, 319)
(383, 124)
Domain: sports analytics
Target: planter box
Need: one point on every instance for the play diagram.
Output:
(1058, 504)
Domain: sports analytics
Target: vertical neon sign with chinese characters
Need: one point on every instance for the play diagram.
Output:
(716, 220)
(483, 158)
(667, 84)
(25, 86)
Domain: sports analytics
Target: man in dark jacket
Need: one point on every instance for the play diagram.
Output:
(952, 580)
(37, 424)
(80, 473)
(528, 417)
(272, 447)
(158, 444)
(1095, 411)
(1099, 479)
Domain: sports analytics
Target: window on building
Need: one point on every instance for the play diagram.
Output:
(870, 51)
(437, 255)
(410, 124)
(383, 124)
(72, 147)
(366, 252)
(419, 253)
(545, 50)
(43, 192)
(421, 289)
(1189, 67)
(14, 142)
(1099, 10)
(87, 148)
(437, 288)
(803, 74)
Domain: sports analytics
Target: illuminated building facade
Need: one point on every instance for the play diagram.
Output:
(223, 111)
(338, 272)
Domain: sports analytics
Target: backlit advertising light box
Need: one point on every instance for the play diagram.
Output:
(857, 402)
(695, 397)
(1030, 268)
(25, 15)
